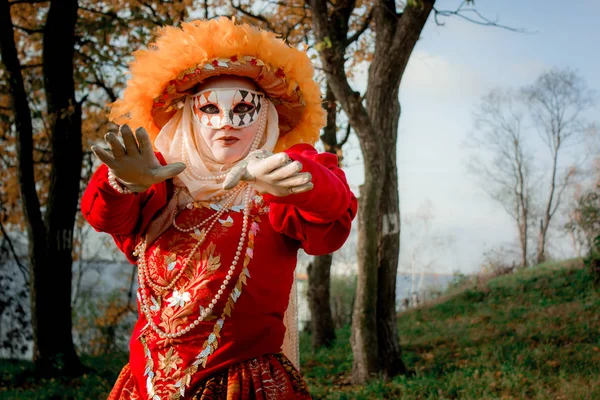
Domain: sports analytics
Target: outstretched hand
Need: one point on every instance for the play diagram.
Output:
(135, 165)
(275, 174)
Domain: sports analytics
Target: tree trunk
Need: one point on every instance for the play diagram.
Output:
(545, 223)
(36, 232)
(364, 337)
(523, 242)
(522, 218)
(50, 241)
(522, 194)
(319, 271)
(54, 348)
(323, 332)
(541, 250)
(383, 107)
(389, 355)
(376, 127)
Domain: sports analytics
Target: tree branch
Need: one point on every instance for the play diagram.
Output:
(157, 19)
(332, 58)
(97, 81)
(10, 3)
(291, 29)
(251, 15)
(284, 4)
(28, 30)
(109, 91)
(112, 15)
(346, 136)
(22, 268)
(363, 28)
(30, 66)
(563, 187)
(23, 123)
(407, 33)
(479, 19)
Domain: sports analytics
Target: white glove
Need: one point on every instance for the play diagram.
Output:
(275, 174)
(135, 165)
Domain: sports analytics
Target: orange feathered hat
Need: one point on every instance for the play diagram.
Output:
(181, 58)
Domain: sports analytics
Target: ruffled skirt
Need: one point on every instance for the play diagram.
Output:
(269, 377)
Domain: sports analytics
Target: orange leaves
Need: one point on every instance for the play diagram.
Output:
(10, 211)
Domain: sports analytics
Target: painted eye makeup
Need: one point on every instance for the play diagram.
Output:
(210, 109)
(242, 108)
(215, 108)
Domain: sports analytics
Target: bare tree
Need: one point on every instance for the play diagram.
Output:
(501, 159)
(557, 103)
(554, 107)
(424, 250)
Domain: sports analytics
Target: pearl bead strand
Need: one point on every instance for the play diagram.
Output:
(159, 288)
(227, 203)
(112, 180)
(190, 171)
(262, 124)
(205, 311)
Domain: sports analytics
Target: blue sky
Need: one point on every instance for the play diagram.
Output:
(451, 68)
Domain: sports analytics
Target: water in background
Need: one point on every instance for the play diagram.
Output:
(100, 280)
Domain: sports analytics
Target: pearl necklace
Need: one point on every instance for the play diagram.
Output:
(262, 125)
(142, 266)
(190, 171)
(228, 202)
(214, 218)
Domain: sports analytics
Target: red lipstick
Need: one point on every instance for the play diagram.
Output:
(228, 140)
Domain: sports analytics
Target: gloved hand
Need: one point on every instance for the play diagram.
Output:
(135, 165)
(275, 174)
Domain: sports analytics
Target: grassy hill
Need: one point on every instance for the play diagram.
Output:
(534, 334)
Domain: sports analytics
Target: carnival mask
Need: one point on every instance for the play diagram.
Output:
(216, 108)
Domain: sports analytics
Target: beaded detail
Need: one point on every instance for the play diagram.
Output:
(144, 275)
(169, 364)
(112, 180)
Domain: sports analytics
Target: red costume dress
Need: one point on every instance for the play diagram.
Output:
(241, 339)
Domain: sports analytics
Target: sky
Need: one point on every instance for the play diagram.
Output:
(451, 67)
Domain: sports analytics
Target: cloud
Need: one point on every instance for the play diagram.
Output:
(438, 78)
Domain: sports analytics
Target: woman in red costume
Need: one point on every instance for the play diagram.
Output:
(212, 198)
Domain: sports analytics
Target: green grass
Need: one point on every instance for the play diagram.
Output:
(530, 335)
(17, 381)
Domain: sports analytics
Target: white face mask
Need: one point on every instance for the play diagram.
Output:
(235, 107)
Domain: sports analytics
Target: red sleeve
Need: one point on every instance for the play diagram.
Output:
(322, 217)
(123, 216)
